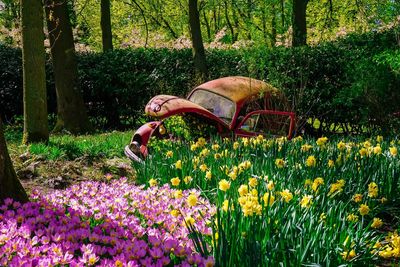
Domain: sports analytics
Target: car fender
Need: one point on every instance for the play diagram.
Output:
(143, 135)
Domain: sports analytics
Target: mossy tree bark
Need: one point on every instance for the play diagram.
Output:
(105, 22)
(71, 111)
(199, 56)
(10, 187)
(34, 75)
(299, 23)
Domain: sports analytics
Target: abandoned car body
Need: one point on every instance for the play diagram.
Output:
(237, 106)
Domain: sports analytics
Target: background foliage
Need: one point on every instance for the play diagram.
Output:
(352, 82)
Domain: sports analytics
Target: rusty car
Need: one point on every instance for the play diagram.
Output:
(237, 106)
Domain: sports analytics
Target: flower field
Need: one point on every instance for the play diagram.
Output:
(245, 202)
(114, 224)
(316, 202)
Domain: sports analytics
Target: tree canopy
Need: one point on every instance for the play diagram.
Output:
(155, 23)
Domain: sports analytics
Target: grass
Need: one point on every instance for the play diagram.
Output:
(66, 147)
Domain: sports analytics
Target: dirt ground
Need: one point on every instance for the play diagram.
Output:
(35, 172)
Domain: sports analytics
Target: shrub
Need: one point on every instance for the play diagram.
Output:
(351, 84)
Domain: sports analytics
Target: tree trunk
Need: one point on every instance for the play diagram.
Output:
(10, 187)
(106, 25)
(34, 76)
(207, 24)
(199, 55)
(248, 18)
(273, 25)
(228, 22)
(71, 112)
(299, 24)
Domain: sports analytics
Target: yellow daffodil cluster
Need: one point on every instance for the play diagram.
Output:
(372, 190)
(392, 247)
(280, 163)
(306, 147)
(249, 201)
(317, 183)
(244, 189)
(336, 187)
(363, 209)
(286, 195)
(306, 201)
(322, 141)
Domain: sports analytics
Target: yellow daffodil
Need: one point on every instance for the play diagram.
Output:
(187, 179)
(201, 142)
(175, 181)
(153, 182)
(363, 152)
(363, 209)
(348, 255)
(243, 190)
(203, 167)
(193, 147)
(393, 151)
(235, 145)
(217, 156)
(232, 175)
(311, 161)
(372, 190)
(174, 213)
(306, 201)
(352, 217)
(336, 187)
(341, 145)
(316, 183)
(331, 163)
(322, 141)
(270, 185)
(205, 152)
(286, 195)
(224, 185)
(280, 163)
(357, 198)
(225, 205)
(376, 223)
(169, 154)
(268, 199)
(178, 194)
(191, 200)
(367, 144)
(306, 147)
(377, 150)
(189, 220)
(178, 165)
(253, 182)
(215, 147)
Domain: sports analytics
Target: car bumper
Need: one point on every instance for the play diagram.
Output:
(131, 155)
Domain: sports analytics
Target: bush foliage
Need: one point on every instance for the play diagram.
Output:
(351, 84)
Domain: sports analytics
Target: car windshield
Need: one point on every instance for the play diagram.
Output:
(220, 106)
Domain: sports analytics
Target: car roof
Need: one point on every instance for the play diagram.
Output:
(238, 88)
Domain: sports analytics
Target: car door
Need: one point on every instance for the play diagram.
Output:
(268, 123)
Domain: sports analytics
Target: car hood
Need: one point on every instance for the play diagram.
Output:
(163, 106)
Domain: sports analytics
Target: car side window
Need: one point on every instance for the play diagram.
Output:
(267, 124)
(250, 124)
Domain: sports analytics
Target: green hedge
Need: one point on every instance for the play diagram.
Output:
(345, 83)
